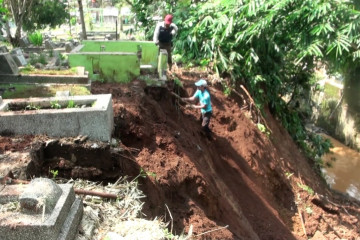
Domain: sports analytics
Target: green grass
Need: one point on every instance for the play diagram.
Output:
(331, 91)
(33, 71)
(26, 90)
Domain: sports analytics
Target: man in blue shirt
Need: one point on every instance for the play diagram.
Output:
(203, 95)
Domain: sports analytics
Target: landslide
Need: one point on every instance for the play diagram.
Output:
(242, 184)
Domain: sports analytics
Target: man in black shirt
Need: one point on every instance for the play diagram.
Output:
(164, 32)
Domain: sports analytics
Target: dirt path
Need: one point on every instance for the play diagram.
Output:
(251, 184)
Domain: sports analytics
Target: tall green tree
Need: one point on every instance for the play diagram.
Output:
(34, 14)
(2, 17)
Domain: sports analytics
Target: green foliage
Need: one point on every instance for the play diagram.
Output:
(3, 12)
(34, 58)
(306, 188)
(226, 89)
(73, 21)
(27, 69)
(320, 145)
(32, 107)
(89, 21)
(178, 82)
(71, 104)
(45, 14)
(54, 173)
(36, 38)
(55, 105)
(263, 129)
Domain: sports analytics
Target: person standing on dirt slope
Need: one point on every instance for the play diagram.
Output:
(164, 32)
(203, 95)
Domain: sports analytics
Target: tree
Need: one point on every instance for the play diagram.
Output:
(46, 14)
(38, 14)
(19, 9)
(2, 17)
(82, 19)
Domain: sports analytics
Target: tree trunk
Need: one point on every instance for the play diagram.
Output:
(82, 19)
(19, 9)
(8, 33)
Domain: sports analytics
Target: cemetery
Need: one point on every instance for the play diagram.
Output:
(178, 120)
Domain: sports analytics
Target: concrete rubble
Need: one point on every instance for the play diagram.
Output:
(46, 211)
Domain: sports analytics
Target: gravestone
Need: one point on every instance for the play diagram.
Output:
(18, 56)
(7, 64)
(24, 42)
(49, 44)
(41, 192)
(3, 49)
(48, 211)
(76, 43)
(69, 47)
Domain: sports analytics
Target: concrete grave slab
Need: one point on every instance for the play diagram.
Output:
(41, 191)
(60, 223)
(24, 42)
(3, 49)
(18, 57)
(69, 47)
(7, 64)
(95, 121)
(162, 65)
(49, 44)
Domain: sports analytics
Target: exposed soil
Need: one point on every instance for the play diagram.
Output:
(256, 185)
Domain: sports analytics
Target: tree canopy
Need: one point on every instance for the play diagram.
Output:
(46, 14)
(34, 14)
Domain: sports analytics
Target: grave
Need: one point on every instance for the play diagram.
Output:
(18, 57)
(7, 64)
(90, 115)
(45, 211)
(24, 42)
(118, 61)
(80, 77)
(3, 49)
(49, 44)
(68, 47)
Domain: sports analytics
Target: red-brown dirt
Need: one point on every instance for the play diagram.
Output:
(257, 186)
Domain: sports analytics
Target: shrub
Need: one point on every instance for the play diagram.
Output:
(36, 38)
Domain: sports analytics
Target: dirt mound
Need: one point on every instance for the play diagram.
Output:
(260, 187)
(242, 184)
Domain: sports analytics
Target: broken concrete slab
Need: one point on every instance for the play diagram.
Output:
(78, 78)
(24, 42)
(3, 49)
(7, 64)
(69, 47)
(59, 224)
(41, 192)
(49, 44)
(162, 64)
(95, 121)
(62, 94)
(18, 57)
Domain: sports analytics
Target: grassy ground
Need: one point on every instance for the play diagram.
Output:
(25, 90)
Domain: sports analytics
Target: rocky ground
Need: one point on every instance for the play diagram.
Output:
(242, 184)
